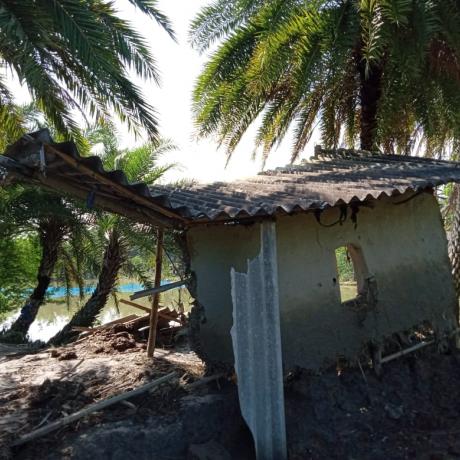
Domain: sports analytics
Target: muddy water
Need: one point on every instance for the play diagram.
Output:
(54, 315)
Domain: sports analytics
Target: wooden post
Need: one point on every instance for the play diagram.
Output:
(156, 296)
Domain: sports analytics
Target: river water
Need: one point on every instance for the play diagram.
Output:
(55, 314)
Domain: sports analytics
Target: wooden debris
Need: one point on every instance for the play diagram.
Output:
(135, 305)
(163, 312)
(90, 409)
(90, 330)
(415, 347)
(82, 329)
(72, 369)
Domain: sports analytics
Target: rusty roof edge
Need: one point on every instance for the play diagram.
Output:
(91, 166)
(219, 202)
(118, 185)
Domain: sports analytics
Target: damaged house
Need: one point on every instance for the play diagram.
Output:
(381, 209)
(261, 256)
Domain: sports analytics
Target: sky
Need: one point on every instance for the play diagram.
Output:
(179, 66)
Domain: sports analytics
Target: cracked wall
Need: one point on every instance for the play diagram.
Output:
(405, 249)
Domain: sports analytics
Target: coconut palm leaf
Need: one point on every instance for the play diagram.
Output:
(75, 55)
(382, 74)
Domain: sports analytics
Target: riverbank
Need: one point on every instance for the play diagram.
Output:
(56, 313)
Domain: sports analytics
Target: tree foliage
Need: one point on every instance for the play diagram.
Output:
(20, 257)
(75, 55)
(299, 63)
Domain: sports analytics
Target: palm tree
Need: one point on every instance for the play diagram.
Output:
(119, 234)
(384, 72)
(74, 55)
(26, 210)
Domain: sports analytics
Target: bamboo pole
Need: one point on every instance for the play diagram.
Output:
(156, 297)
(167, 214)
(90, 409)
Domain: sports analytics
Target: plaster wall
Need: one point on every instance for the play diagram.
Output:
(405, 250)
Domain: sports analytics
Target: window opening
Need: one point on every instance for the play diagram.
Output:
(351, 272)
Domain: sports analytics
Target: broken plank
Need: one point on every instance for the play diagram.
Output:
(161, 314)
(157, 290)
(90, 409)
(136, 305)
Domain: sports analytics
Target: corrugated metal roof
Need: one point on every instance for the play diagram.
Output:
(324, 181)
(330, 178)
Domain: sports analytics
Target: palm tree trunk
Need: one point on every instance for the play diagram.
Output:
(51, 236)
(370, 93)
(454, 240)
(113, 259)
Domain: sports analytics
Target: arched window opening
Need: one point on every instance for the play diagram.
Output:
(351, 272)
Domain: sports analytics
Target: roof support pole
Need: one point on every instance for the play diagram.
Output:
(156, 296)
(256, 338)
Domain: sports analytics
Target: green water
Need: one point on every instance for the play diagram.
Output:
(54, 315)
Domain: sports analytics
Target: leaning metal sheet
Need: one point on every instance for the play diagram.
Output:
(257, 348)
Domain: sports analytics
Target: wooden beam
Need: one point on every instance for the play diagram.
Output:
(158, 290)
(135, 305)
(118, 187)
(101, 201)
(148, 310)
(156, 296)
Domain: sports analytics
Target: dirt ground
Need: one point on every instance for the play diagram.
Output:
(38, 387)
(411, 411)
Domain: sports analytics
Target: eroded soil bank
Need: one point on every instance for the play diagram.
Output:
(411, 411)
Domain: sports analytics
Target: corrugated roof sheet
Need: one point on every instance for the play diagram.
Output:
(324, 181)
(330, 178)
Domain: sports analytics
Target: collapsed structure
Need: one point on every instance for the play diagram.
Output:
(381, 208)
(262, 258)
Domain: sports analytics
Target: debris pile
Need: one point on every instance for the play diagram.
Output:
(95, 396)
(38, 388)
(132, 329)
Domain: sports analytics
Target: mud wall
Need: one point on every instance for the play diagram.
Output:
(405, 250)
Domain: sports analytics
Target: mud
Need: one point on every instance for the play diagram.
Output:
(411, 411)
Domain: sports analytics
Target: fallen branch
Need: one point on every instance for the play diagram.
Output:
(70, 370)
(90, 409)
(82, 329)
